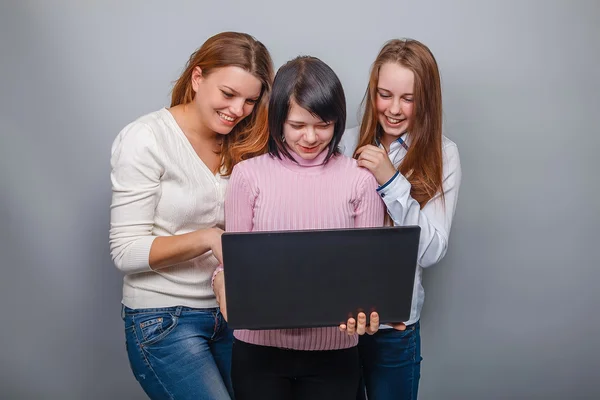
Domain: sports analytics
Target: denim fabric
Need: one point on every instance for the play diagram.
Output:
(391, 364)
(180, 352)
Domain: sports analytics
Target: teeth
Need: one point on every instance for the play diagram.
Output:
(392, 120)
(226, 117)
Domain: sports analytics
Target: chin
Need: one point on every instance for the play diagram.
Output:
(309, 156)
(397, 131)
(222, 130)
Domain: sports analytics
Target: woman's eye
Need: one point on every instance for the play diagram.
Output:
(296, 127)
(227, 95)
(383, 95)
(408, 99)
(251, 101)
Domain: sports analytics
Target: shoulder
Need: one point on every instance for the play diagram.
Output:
(142, 139)
(450, 153)
(349, 141)
(448, 145)
(348, 168)
(144, 132)
(156, 122)
(253, 166)
(255, 162)
(347, 163)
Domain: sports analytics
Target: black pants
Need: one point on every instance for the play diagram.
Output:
(264, 373)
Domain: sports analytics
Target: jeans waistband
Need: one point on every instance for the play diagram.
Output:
(177, 310)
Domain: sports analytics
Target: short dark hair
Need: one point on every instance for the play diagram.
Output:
(314, 86)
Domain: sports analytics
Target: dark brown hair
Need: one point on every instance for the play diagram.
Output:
(314, 86)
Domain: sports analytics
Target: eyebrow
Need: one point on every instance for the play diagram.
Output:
(389, 91)
(291, 121)
(238, 93)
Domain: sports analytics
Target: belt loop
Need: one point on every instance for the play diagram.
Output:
(178, 311)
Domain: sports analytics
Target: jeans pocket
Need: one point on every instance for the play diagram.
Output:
(155, 327)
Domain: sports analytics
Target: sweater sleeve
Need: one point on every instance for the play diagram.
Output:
(239, 202)
(136, 171)
(369, 209)
(435, 219)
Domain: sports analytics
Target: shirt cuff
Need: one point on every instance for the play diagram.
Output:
(396, 188)
(388, 182)
(137, 257)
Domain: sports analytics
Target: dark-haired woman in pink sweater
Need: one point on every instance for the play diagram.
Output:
(302, 183)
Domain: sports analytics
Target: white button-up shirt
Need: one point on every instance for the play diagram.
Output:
(435, 219)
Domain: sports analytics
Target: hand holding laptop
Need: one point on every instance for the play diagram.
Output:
(399, 326)
(310, 288)
(219, 289)
(351, 327)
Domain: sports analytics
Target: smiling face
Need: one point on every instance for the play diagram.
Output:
(306, 134)
(224, 97)
(395, 100)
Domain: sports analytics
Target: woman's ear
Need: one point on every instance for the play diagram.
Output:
(197, 78)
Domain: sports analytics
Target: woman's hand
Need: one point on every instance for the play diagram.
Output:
(215, 244)
(219, 289)
(171, 250)
(377, 161)
(352, 327)
(399, 326)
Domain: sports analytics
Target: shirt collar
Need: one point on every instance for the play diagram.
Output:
(396, 144)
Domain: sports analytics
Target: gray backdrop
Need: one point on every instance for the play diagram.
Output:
(510, 312)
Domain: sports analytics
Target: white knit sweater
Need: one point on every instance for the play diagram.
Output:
(161, 188)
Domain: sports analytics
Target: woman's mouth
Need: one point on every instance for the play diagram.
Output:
(394, 121)
(308, 149)
(227, 120)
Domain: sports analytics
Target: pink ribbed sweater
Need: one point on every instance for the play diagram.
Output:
(267, 194)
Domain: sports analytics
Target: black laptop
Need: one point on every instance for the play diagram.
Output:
(314, 278)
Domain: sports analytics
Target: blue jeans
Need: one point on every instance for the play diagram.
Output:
(180, 352)
(391, 364)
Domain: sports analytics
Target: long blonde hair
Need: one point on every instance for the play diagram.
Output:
(423, 163)
(249, 137)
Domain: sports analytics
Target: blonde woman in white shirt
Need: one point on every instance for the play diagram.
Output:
(418, 171)
(170, 169)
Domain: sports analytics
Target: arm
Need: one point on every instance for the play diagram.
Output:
(369, 209)
(136, 171)
(239, 203)
(239, 215)
(170, 250)
(368, 212)
(435, 219)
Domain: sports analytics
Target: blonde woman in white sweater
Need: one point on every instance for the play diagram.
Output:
(169, 173)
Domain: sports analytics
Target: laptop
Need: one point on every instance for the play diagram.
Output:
(316, 278)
